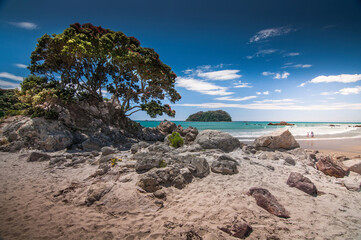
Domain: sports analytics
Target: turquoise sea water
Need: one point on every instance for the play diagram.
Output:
(248, 131)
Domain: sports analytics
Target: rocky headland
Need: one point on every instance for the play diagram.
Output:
(62, 181)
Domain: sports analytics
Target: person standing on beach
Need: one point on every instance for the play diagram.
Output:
(308, 135)
(312, 135)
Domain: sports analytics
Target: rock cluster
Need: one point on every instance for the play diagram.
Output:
(279, 139)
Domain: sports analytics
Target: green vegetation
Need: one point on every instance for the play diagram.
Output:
(176, 140)
(85, 60)
(114, 161)
(210, 116)
(162, 164)
(10, 105)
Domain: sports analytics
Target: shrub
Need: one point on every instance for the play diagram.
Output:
(176, 140)
(162, 164)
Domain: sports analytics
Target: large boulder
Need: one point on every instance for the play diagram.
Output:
(266, 200)
(38, 133)
(213, 139)
(146, 161)
(331, 167)
(302, 183)
(353, 165)
(225, 165)
(166, 127)
(199, 167)
(279, 139)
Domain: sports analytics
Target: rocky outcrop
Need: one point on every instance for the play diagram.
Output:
(96, 192)
(279, 139)
(302, 183)
(266, 200)
(353, 165)
(147, 161)
(189, 134)
(238, 229)
(156, 178)
(225, 165)
(138, 146)
(38, 133)
(166, 127)
(213, 139)
(330, 167)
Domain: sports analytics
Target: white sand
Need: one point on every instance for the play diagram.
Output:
(29, 209)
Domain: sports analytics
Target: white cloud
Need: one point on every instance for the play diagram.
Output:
(344, 91)
(271, 32)
(284, 75)
(219, 75)
(235, 99)
(279, 101)
(8, 85)
(25, 25)
(262, 53)
(278, 106)
(258, 93)
(266, 93)
(291, 54)
(298, 66)
(19, 65)
(268, 73)
(240, 84)
(342, 78)
(202, 86)
(278, 90)
(11, 76)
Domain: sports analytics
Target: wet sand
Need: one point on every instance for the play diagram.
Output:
(347, 147)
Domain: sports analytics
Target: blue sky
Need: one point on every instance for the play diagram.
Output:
(296, 60)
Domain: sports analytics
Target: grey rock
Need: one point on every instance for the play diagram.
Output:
(160, 194)
(290, 161)
(38, 157)
(96, 192)
(138, 146)
(92, 144)
(159, 148)
(199, 167)
(154, 179)
(213, 139)
(148, 161)
(225, 167)
(167, 127)
(279, 139)
(353, 165)
(107, 151)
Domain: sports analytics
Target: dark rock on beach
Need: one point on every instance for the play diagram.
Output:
(302, 183)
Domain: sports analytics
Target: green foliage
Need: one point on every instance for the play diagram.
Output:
(210, 116)
(84, 60)
(162, 164)
(114, 161)
(176, 140)
(10, 105)
(41, 112)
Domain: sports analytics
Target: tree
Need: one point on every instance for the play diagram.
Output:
(86, 60)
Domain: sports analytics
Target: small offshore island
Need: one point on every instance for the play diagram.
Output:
(210, 116)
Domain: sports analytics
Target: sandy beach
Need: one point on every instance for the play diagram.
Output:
(40, 202)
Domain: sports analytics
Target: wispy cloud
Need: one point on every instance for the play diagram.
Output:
(262, 53)
(11, 76)
(236, 99)
(25, 25)
(329, 26)
(220, 75)
(291, 54)
(344, 91)
(19, 65)
(270, 32)
(8, 85)
(202, 86)
(264, 93)
(283, 75)
(342, 78)
(279, 101)
(241, 84)
(277, 106)
(278, 90)
(297, 66)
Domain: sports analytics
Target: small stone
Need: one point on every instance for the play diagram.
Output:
(302, 183)
(160, 194)
(238, 229)
(266, 200)
(38, 157)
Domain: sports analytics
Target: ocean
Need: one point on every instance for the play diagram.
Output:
(248, 131)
